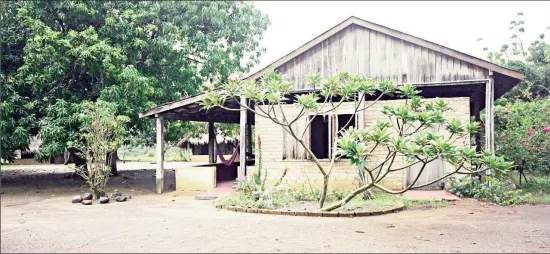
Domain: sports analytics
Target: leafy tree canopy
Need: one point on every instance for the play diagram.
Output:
(532, 60)
(136, 54)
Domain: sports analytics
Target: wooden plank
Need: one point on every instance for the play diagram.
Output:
(490, 114)
(444, 70)
(424, 65)
(339, 53)
(397, 60)
(437, 67)
(476, 98)
(411, 63)
(160, 155)
(211, 143)
(326, 64)
(373, 54)
(363, 51)
(350, 51)
(388, 57)
(242, 146)
(431, 66)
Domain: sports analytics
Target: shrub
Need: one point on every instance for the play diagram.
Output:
(523, 133)
(488, 189)
(102, 135)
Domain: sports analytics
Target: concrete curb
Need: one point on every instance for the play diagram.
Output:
(310, 213)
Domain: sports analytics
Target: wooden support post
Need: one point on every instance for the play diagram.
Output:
(490, 114)
(248, 137)
(160, 155)
(211, 143)
(242, 147)
(477, 117)
(360, 116)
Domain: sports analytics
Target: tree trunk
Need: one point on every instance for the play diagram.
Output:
(324, 192)
(112, 163)
(348, 198)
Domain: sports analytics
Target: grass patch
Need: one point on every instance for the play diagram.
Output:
(538, 187)
(296, 200)
(148, 154)
(380, 202)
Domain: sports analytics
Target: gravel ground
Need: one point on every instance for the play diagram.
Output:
(172, 222)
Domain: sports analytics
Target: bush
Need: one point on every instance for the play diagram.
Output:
(488, 189)
(523, 133)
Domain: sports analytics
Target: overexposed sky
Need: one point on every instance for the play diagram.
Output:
(456, 25)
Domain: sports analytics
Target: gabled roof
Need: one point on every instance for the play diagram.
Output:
(394, 33)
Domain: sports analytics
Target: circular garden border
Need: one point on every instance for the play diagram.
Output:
(349, 214)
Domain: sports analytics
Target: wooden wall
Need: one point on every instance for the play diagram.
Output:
(369, 53)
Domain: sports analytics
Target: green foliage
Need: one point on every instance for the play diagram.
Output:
(491, 190)
(103, 132)
(134, 54)
(532, 60)
(59, 126)
(412, 138)
(523, 133)
(14, 121)
(538, 187)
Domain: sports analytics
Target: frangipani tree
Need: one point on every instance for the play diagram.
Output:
(405, 134)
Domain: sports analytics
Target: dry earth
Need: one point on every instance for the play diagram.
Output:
(173, 222)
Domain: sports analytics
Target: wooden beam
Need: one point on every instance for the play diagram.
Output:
(202, 118)
(361, 114)
(160, 155)
(248, 135)
(172, 105)
(490, 114)
(242, 145)
(211, 143)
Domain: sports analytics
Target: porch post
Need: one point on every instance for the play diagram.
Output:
(360, 117)
(211, 143)
(248, 137)
(242, 144)
(490, 114)
(477, 117)
(160, 155)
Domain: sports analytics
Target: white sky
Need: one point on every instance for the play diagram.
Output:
(456, 25)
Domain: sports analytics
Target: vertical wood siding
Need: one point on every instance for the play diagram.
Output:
(369, 53)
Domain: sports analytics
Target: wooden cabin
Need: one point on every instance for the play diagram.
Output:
(468, 84)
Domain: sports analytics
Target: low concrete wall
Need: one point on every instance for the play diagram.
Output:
(195, 178)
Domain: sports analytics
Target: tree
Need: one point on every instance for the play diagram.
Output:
(15, 122)
(408, 137)
(521, 116)
(103, 133)
(532, 60)
(134, 54)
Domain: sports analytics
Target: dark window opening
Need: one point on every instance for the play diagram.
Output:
(319, 131)
(343, 120)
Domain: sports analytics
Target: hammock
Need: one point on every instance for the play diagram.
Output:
(220, 155)
(231, 159)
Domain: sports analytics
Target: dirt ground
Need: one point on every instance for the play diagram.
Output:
(173, 222)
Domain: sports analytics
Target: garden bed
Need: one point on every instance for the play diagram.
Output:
(290, 205)
(311, 209)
